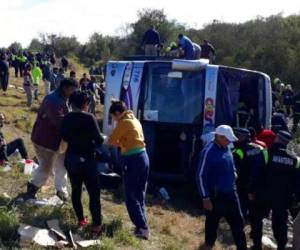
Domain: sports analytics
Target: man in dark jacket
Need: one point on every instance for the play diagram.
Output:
(64, 63)
(151, 42)
(250, 160)
(280, 184)
(46, 138)
(208, 51)
(216, 184)
(4, 72)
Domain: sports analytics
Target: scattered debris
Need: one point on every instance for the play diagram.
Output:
(88, 243)
(27, 166)
(74, 245)
(53, 225)
(5, 195)
(61, 244)
(6, 168)
(53, 237)
(164, 194)
(42, 237)
(267, 242)
(52, 201)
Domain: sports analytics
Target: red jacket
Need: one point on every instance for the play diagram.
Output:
(266, 136)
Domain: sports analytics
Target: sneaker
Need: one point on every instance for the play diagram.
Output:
(142, 234)
(83, 222)
(61, 195)
(97, 230)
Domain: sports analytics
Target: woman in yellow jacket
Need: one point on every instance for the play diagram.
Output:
(128, 136)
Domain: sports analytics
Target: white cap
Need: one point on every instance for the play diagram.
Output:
(226, 131)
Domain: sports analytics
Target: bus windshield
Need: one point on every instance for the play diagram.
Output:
(174, 98)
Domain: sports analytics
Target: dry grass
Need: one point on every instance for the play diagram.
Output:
(177, 225)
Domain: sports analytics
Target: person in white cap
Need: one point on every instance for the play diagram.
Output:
(216, 184)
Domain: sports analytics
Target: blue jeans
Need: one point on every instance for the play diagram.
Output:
(135, 173)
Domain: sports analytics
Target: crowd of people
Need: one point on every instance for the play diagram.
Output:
(185, 48)
(243, 173)
(45, 67)
(70, 146)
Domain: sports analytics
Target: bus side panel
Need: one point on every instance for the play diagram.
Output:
(114, 77)
(268, 98)
(135, 84)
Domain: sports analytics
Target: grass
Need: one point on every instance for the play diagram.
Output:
(175, 225)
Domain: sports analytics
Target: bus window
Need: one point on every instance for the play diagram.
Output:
(174, 99)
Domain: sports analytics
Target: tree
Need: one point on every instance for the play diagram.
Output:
(15, 46)
(36, 45)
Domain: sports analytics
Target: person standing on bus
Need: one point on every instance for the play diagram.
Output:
(208, 51)
(151, 42)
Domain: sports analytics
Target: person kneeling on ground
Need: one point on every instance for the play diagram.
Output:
(7, 149)
(81, 131)
(129, 136)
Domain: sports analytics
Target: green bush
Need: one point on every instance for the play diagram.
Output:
(8, 226)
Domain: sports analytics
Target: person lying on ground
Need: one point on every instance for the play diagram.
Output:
(7, 149)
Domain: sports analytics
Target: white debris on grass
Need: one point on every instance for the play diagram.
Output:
(6, 195)
(88, 243)
(29, 234)
(6, 168)
(53, 226)
(52, 201)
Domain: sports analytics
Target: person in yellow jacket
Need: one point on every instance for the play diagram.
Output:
(37, 75)
(129, 137)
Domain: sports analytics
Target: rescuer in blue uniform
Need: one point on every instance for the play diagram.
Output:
(279, 187)
(216, 184)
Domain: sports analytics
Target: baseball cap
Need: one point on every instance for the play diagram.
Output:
(226, 131)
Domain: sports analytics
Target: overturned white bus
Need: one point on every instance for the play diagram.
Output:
(177, 101)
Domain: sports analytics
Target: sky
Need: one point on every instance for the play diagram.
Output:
(22, 20)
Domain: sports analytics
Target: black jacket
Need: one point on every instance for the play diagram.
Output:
(250, 161)
(282, 175)
(151, 37)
